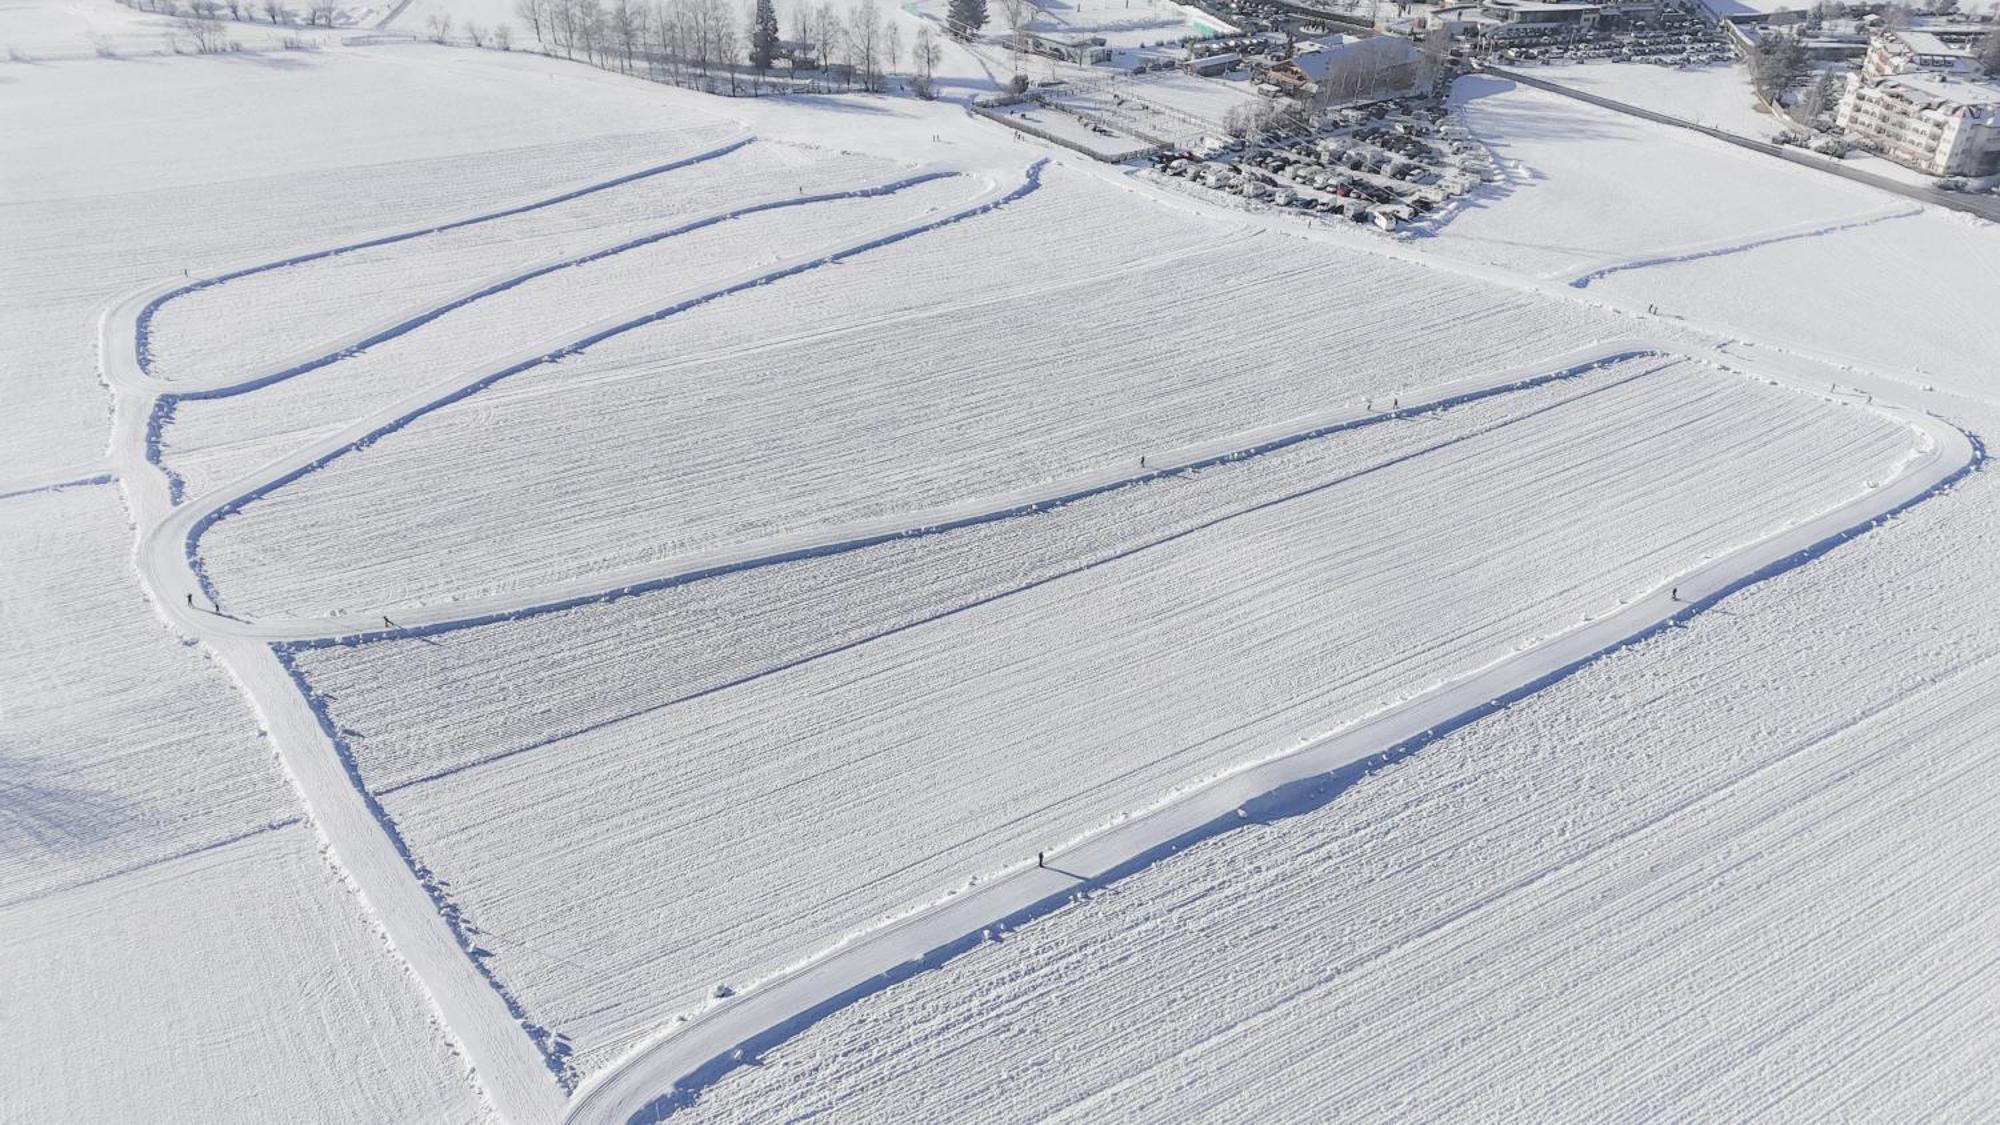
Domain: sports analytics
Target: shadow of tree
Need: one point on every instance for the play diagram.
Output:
(40, 811)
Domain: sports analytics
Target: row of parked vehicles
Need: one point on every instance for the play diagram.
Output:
(1674, 39)
(1699, 54)
(1387, 164)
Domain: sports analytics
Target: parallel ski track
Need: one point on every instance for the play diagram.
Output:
(660, 1077)
(525, 1076)
(667, 1072)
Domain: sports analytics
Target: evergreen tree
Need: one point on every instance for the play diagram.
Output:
(964, 18)
(764, 35)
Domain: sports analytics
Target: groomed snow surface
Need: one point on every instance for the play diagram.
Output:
(662, 757)
(172, 944)
(1737, 868)
(957, 364)
(1771, 827)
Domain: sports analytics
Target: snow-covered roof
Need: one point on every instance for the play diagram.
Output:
(1950, 93)
(1322, 43)
(1317, 59)
(1925, 43)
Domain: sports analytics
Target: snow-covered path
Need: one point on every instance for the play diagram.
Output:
(522, 1073)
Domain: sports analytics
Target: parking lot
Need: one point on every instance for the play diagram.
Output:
(1675, 37)
(1389, 164)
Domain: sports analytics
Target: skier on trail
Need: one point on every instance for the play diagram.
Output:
(1039, 859)
(1675, 593)
(190, 601)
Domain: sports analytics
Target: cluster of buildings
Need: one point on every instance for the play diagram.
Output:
(1920, 100)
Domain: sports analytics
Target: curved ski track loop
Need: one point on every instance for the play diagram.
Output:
(525, 1076)
(160, 295)
(168, 400)
(667, 1072)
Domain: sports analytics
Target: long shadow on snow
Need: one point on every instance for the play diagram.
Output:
(553, 1046)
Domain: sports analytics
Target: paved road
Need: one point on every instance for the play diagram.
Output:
(1984, 206)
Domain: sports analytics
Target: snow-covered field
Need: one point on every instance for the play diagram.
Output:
(1730, 872)
(172, 945)
(1718, 95)
(110, 764)
(1771, 827)
(366, 139)
(899, 499)
(700, 243)
(908, 685)
(242, 982)
(820, 431)
(1916, 295)
(1588, 188)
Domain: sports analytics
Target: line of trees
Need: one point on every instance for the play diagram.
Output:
(315, 13)
(705, 43)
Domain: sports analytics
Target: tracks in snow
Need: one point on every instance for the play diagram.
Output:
(521, 1073)
(1739, 244)
(659, 1077)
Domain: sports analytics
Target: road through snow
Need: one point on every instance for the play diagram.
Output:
(523, 1074)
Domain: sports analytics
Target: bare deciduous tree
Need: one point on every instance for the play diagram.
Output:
(864, 33)
(587, 28)
(534, 13)
(826, 32)
(1018, 14)
(628, 31)
(204, 33)
(924, 56)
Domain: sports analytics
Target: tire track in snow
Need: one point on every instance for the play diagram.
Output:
(1738, 246)
(400, 416)
(1499, 895)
